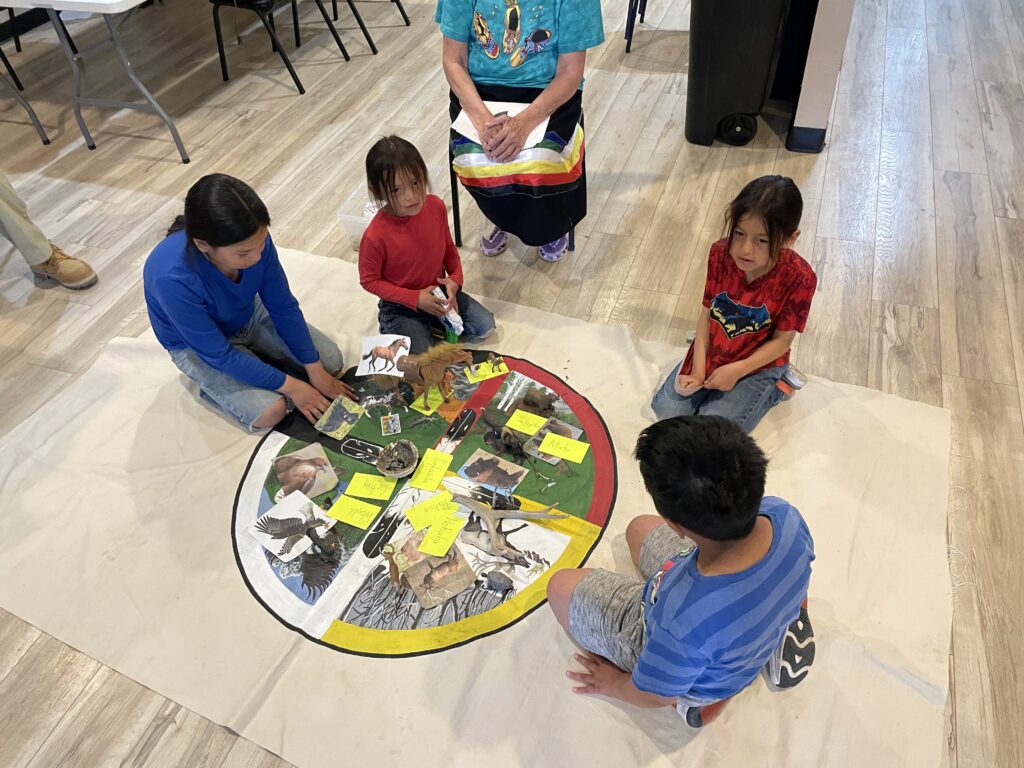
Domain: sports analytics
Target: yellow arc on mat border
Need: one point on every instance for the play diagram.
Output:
(394, 642)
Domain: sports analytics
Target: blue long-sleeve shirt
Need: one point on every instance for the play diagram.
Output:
(193, 305)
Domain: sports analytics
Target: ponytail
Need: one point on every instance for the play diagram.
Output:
(177, 225)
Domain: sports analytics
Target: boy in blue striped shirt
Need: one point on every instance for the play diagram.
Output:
(725, 574)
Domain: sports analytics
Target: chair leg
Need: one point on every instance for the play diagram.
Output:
(366, 32)
(274, 46)
(220, 42)
(334, 8)
(295, 23)
(14, 30)
(268, 23)
(334, 30)
(71, 40)
(401, 10)
(10, 70)
(631, 22)
(572, 239)
(643, 10)
(455, 196)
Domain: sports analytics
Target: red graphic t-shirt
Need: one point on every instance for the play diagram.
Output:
(744, 316)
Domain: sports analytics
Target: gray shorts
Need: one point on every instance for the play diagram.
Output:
(606, 609)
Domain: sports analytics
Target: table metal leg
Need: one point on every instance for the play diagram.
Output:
(76, 75)
(152, 106)
(28, 108)
(115, 38)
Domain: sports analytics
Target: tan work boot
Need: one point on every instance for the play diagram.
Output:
(67, 270)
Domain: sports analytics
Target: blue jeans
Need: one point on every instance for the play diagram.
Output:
(746, 403)
(477, 322)
(258, 338)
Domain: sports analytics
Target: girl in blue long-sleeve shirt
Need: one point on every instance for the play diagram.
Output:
(220, 304)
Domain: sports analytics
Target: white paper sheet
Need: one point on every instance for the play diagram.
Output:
(462, 124)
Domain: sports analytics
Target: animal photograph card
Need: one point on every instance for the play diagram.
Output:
(340, 417)
(435, 579)
(285, 529)
(492, 472)
(555, 427)
(381, 354)
(307, 470)
(390, 425)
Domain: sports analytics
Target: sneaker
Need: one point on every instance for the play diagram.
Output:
(792, 660)
(698, 717)
(494, 243)
(556, 249)
(67, 270)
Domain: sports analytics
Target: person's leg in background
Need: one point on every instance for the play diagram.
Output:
(477, 320)
(44, 258)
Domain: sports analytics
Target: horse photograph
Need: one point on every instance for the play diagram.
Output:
(384, 350)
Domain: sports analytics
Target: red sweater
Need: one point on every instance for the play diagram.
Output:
(401, 255)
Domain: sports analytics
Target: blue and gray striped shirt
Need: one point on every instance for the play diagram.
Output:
(709, 636)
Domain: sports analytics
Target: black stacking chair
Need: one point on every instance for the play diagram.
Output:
(359, 20)
(14, 30)
(401, 10)
(10, 70)
(265, 10)
(635, 6)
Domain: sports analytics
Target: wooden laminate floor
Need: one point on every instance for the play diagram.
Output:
(913, 222)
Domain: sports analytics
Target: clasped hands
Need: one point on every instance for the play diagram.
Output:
(503, 136)
(723, 379)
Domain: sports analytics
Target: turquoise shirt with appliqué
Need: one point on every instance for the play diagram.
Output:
(516, 43)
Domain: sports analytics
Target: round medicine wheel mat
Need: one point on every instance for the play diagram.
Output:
(363, 585)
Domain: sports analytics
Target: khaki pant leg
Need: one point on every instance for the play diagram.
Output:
(16, 226)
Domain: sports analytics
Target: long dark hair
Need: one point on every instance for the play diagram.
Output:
(221, 210)
(777, 201)
(387, 158)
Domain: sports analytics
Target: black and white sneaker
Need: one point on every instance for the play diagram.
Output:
(792, 660)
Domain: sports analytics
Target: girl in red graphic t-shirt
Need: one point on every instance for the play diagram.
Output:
(407, 251)
(756, 299)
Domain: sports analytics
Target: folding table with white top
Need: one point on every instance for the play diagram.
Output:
(108, 9)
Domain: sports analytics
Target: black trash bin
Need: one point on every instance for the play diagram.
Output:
(733, 45)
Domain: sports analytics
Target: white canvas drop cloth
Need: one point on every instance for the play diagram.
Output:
(116, 533)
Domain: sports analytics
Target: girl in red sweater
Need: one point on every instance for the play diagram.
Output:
(407, 251)
(756, 299)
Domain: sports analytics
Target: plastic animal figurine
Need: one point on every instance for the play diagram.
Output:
(431, 368)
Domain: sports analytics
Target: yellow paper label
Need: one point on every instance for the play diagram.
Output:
(428, 402)
(430, 511)
(485, 371)
(525, 422)
(354, 512)
(563, 447)
(371, 486)
(441, 536)
(431, 470)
